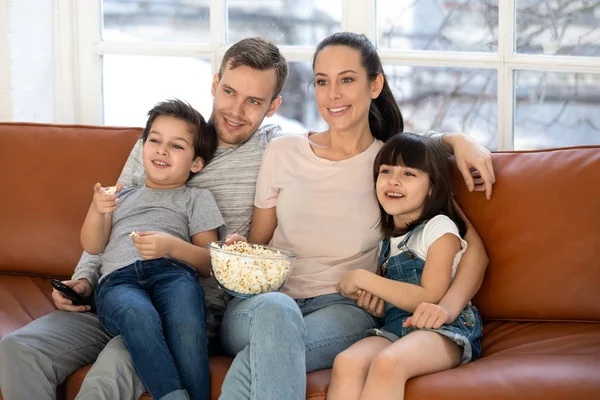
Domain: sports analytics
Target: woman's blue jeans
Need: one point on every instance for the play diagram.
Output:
(157, 306)
(276, 340)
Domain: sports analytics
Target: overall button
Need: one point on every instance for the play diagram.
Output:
(469, 323)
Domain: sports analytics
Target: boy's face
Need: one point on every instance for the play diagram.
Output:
(168, 153)
(242, 99)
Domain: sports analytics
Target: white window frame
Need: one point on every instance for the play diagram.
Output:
(79, 34)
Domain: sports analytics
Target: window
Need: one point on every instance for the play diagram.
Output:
(517, 74)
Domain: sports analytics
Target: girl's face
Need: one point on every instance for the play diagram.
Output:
(402, 192)
(343, 90)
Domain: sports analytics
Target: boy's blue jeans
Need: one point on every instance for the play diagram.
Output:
(157, 306)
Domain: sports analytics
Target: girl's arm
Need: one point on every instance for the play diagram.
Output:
(264, 222)
(406, 296)
(469, 276)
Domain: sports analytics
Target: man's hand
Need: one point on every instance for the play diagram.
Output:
(104, 203)
(472, 160)
(371, 303)
(430, 316)
(153, 245)
(81, 286)
(348, 284)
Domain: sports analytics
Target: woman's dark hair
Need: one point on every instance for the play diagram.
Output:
(205, 136)
(423, 153)
(385, 118)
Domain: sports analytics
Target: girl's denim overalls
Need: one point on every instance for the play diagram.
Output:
(406, 267)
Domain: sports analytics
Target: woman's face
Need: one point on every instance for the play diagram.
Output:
(343, 90)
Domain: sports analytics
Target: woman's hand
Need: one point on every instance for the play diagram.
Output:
(430, 316)
(229, 239)
(371, 303)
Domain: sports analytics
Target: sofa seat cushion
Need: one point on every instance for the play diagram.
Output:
(523, 361)
(23, 299)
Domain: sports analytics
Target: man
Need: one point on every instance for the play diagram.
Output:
(40, 356)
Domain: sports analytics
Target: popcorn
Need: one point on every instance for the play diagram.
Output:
(110, 189)
(134, 235)
(249, 268)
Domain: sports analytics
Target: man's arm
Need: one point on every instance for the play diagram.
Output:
(469, 155)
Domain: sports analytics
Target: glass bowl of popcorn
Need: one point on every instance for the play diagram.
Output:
(244, 269)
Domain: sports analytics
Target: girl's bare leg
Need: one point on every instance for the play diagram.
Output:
(418, 353)
(351, 366)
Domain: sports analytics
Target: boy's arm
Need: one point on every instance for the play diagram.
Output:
(196, 253)
(98, 221)
(407, 296)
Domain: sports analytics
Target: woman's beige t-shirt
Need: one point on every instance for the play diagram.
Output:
(327, 212)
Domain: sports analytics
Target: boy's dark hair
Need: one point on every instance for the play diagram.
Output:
(257, 53)
(423, 153)
(385, 118)
(205, 136)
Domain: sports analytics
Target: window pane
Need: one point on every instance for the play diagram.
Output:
(157, 20)
(447, 100)
(556, 109)
(285, 22)
(134, 84)
(452, 25)
(298, 112)
(558, 27)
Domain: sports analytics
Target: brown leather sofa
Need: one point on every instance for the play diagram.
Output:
(540, 299)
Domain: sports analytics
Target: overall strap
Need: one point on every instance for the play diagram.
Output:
(403, 244)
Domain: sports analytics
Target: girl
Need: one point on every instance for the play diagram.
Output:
(420, 251)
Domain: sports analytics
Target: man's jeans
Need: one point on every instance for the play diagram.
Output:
(157, 306)
(276, 340)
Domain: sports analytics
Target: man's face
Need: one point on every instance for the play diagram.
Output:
(242, 99)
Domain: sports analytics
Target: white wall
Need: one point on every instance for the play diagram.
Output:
(5, 84)
(31, 60)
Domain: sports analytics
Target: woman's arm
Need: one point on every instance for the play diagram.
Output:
(264, 222)
(406, 296)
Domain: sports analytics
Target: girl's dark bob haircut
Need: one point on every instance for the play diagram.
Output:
(423, 153)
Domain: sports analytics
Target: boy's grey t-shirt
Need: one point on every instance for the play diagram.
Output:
(180, 212)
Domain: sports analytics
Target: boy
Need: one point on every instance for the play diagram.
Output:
(148, 291)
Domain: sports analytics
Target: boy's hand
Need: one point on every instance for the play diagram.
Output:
(428, 315)
(371, 303)
(105, 203)
(81, 286)
(348, 284)
(229, 239)
(153, 245)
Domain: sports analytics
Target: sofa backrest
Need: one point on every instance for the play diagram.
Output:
(48, 173)
(541, 230)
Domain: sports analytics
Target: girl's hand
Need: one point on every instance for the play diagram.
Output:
(428, 315)
(153, 245)
(104, 203)
(348, 284)
(371, 303)
(229, 239)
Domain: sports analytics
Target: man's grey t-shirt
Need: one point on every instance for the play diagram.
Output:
(180, 212)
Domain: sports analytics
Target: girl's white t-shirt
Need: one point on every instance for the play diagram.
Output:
(327, 212)
(420, 241)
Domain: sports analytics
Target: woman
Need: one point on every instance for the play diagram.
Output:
(315, 196)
